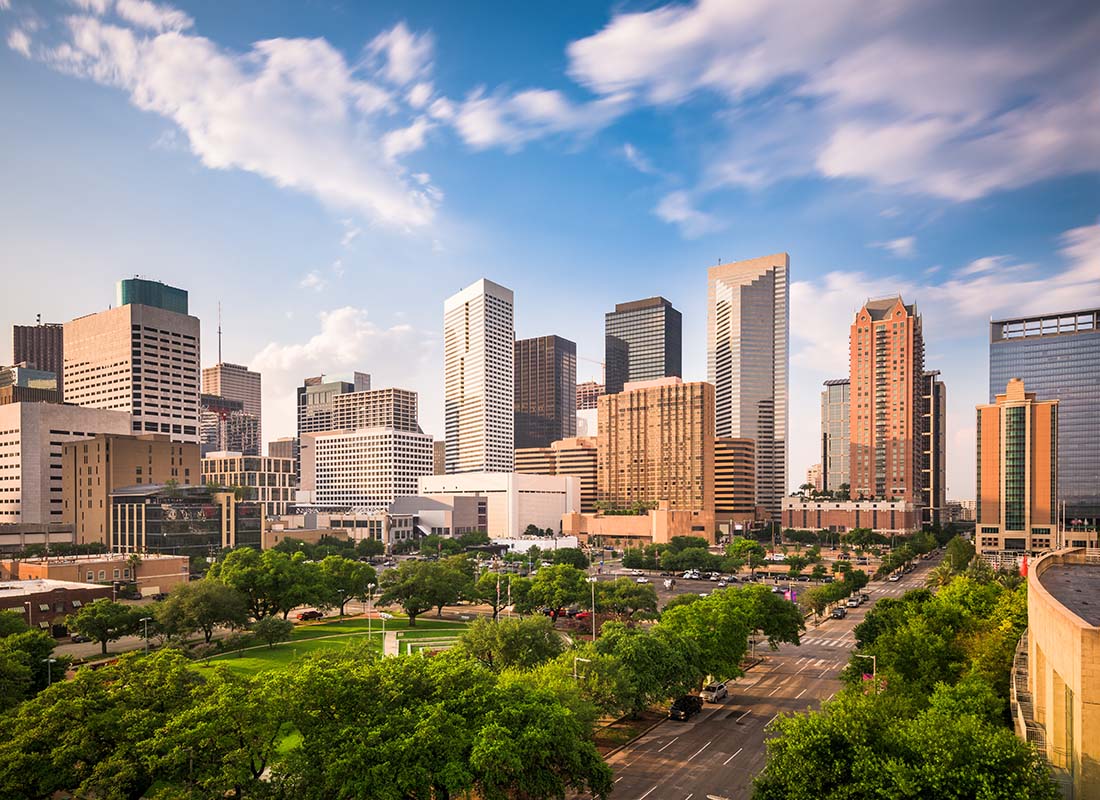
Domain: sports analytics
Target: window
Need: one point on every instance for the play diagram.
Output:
(103, 574)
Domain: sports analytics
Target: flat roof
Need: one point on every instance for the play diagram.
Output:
(1077, 588)
(90, 558)
(9, 589)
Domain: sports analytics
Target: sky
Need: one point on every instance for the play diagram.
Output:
(331, 171)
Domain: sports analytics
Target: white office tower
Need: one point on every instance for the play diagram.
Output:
(236, 382)
(747, 361)
(478, 353)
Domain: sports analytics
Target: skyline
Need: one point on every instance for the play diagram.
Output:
(572, 179)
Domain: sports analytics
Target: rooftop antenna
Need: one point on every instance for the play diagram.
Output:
(38, 319)
(219, 331)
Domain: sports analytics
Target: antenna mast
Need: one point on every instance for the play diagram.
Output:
(219, 331)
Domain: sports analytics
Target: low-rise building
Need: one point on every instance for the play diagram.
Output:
(656, 526)
(885, 517)
(735, 483)
(45, 603)
(513, 501)
(151, 573)
(577, 457)
(270, 481)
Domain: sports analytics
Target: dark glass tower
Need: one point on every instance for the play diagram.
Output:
(41, 347)
(643, 341)
(1058, 358)
(546, 391)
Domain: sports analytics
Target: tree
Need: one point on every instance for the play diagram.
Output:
(570, 555)
(520, 643)
(655, 664)
(557, 587)
(492, 589)
(418, 586)
(959, 553)
(12, 622)
(346, 579)
(272, 630)
(626, 598)
(273, 581)
(818, 572)
(750, 551)
(201, 606)
(104, 621)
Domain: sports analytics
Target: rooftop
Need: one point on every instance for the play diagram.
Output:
(94, 557)
(11, 589)
(1077, 588)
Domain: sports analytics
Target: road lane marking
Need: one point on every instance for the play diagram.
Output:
(800, 694)
(770, 721)
(823, 674)
(690, 796)
(773, 691)
(647, 794)
(619, 779)
(744, 715)
(670, 742)
(700, 750)
(728, 760)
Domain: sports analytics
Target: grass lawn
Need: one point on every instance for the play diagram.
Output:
(336, 635)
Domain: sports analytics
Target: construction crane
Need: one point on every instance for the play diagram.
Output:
(603, 367)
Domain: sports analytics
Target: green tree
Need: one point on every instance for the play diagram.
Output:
(520, 643)
(626, 598)
(201, 606)
(492, 590)
(367, 548)
(346, 579)
(655, 664)
(15, 679)
(104, 621)
(273, 581)
(570, 555)
(751, 552)
(557, 587)
(418, 586)
(272, 630)
(12, 622)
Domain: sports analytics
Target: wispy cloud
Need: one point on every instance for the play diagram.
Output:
(19, 41)
(678, 209)
(638, 160)
(902, 247)
(313, 280)
(405, 56)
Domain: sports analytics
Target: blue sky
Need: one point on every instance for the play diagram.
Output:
(331, 171)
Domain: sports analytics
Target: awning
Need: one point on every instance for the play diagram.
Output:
(44, 626)
(77, 604)
(44, 607)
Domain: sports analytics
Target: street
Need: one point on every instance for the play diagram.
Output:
(717, 753)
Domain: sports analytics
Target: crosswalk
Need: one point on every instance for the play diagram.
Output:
(842, 642)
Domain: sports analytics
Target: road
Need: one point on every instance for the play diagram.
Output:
(718, 752)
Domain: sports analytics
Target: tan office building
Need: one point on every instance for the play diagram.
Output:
(151, 572)
(1055, 686)
(735, 481)
(656, 442)
(1017, 509)
(236, 382)
(577, 457)
(92, 469)
(270, 481)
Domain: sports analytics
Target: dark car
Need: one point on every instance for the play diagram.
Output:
(686, 707)
(840, 612)
(76, 638)
(311, 614)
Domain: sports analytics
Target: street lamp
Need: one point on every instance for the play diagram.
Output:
(370, 604)
(874, 669)
(384, 617)
(592, 582)
(49, 662)
(30, 613)
(145, 621)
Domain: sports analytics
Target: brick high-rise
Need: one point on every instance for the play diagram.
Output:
(886, 357)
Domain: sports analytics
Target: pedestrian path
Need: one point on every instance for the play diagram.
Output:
(841, 642)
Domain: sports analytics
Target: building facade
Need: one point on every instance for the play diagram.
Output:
(748, 315)
(933, 448)
(439, 457)
(225, 425)
(656, 442)
(284, 447)
(546, 391)
(835, 444)
(188, 522)
(643, 341)
(576, 457)
(512, 501)
(45, 603)
(22, 384)
(92, 469)
(41, 347)
(886, 357)
(32, 437)
(838, 516)
(479, 378)
(270, 481)
(588, 395)
(317, 396)
(735, 482)
(151, 573)
(236, 382)
(1058, 357)
(139, 359)
(813, 477)
(375, 408)
(657, 526)
(1017, 480)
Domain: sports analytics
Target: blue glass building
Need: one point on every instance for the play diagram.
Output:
(1058, 358)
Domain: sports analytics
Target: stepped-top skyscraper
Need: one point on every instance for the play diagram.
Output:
(236, 382)
(747, 361)
(479, 383)
(642, 342)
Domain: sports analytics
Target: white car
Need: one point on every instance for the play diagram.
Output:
(894, 577)
(641, 580)
(713, 692)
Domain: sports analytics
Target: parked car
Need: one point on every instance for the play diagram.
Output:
(686, 707)
(581, 616)
(722, 584)
(864, 597)
(642, 579)
(713, 692)
(76, 638)
(311, 614)
(840, 612)
(853, 602)
(894, 577)
(777, 589)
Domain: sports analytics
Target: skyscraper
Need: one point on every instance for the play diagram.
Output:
(1058, 358)
(546, 391)
(933, 447)
(735, 482)
(835, 446)
(224, 425)
(886, 354)
(747, 361)
(479, 383)
(316, 398)
(1017, 472)
(236, 382)
(588, 395)
(142, 359)
(41, 347)
(642, 341)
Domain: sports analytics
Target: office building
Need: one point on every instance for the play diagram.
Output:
(225, 425)
(546, 391)
(933, 448)
(513, 501)
(182, 521)
(235, 382)
(813, 477)
(835, 445)
(656, 442)
(1017, 473)
(142, 292)
(284, 447)
(93, 468)
(588, 395)
(1054, 688)
(40, 347)
(747, 363)
(642, 342)
(439, 457)
(269, 481)
(375, 408)
(364, 469)
(886, 354)
(576, 457)
(32, 436)
(1057, 356)
(23, 384)
(152, 574)
(140, 359)
(735, 483)
(887, 517)
(479, 382)
(46, 603)
(316, 398)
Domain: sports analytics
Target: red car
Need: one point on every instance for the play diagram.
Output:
(311, 614)
(582, 615)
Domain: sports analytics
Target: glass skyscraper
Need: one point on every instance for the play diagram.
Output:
(835, 444)
(1058, 358)
(643, 341)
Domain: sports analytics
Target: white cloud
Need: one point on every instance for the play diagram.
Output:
(406, 56)
(20, 42)
(677, 208)
(510, 120)
(313, 280)
(94, 6)
(406, 140)
(290, 110)
(638, 160)
(1081, 247)
(338, 268)
(347, 340)
(420, 94)
(151, 16)
(5, 5)
(351, 231)
(902, 247)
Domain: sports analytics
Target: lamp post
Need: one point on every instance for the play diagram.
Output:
(49, 662)
(874, 669)
(145, 623)
(592, 583)
(370, 605)
(384, 617)
(30, 613)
